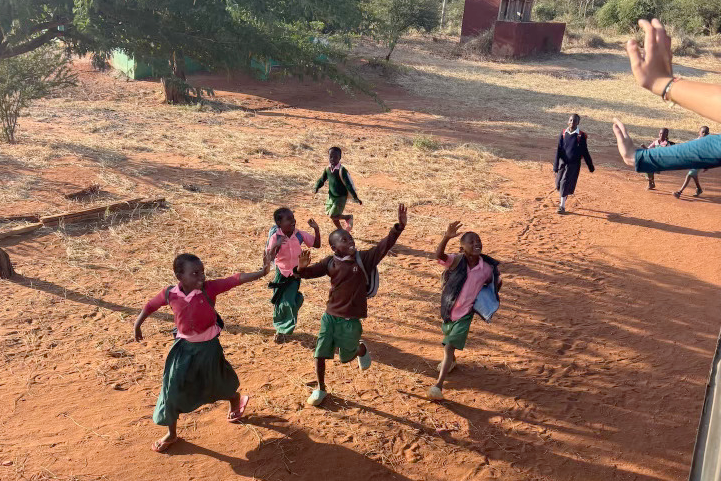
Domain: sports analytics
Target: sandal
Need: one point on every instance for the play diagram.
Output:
(162, 446)
(234, 416)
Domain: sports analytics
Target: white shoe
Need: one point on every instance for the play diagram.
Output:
(435, 393)
(364, 361)
(453, 366)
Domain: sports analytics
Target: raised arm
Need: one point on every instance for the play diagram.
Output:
(372, 257)
(319, 183)
(451, 232)
(307, 271)
(653, 70)
(316, 233)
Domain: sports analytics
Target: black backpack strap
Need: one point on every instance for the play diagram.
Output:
(218, 319)
(167, 294)
(359, 261)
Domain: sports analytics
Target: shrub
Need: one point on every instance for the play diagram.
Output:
(594, 41)
(426, 143)
(685, 45)
(696, 16)
(607, 16)
(391, 19)
(29, 77)
(544, 12)
(624, 14)
(478, 46)
(99, 61)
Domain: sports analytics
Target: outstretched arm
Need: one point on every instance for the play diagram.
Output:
(153, 305)
(373, 256)
(307, 271)
(319, 183)
(653, 69)
(316, 233)
(451, 232)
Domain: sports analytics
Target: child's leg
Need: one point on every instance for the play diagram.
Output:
(685, 183)
(695, 179)
(336, 221)
(651, 180)
(320, 372)
(172, 433)
(449, 356)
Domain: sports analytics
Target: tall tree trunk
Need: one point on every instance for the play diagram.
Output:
(174, 94)
(443, 14)
(179, 64)
(6, 267)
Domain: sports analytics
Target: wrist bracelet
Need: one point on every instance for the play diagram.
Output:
(667, 89)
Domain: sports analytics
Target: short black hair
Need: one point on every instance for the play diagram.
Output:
(336, 149)
(705, 129)
(464, 237)
(181, 260)
(335, 234)
(576, 116)
(280, 213)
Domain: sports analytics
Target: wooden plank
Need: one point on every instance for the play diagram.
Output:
(20, 230)
(21, 218)
(95, 212)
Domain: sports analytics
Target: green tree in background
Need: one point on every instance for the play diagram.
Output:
(389, 20)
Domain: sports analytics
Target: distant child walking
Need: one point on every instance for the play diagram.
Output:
(572, 146)
(693, 173)
(465, 276)
(196, 372)
(661, 141)
(350, 272)
(340, 185)
(286, 240)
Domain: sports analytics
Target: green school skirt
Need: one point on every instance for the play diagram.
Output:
(286, 303)
(456, 333)
(196, 373)
(335, 205)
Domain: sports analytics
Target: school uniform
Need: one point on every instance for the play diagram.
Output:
(340, 326)
(572, 147)
(287, 300)
(196, 371)
(340, 185)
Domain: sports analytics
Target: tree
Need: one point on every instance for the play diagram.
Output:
(390, 19)
(27, 77)
(220, 34)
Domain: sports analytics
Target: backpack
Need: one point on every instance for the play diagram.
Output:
(218, 319)
(372, 281)
(340, 175)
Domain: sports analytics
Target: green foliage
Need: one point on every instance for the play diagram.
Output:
(27, 77)
(389, 20)
(426, 143)
(545, 11)
(625, 14)
(608, 15)
(696, 16)
(684, 45)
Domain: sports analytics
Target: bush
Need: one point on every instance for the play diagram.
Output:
(391, 19)
(594, 41)
(99, 61)
(624, 14)
(685, 46)
(607, 16)
(426, 143)
(29, 77)
(696, 16)
(544, 12)
(478, 46)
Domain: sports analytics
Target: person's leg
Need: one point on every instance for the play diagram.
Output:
(449, 356)
(324, 349)
(651, 181)
(320, 372)
(336, 221)
(685, 183)
(699, 190)
(172, 433)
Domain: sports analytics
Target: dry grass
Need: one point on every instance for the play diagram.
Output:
(529, 92)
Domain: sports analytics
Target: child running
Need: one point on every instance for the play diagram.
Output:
(661, 141)
(465, 275)
(196, 371)
(286, 240)
(693, 173)
(340, 326)
(340, 186)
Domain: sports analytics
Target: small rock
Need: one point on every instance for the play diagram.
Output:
(7, 463)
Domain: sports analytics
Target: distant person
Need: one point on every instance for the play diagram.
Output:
(353, 275)
(287, 241)
(653, 70)
(196, 372)
(466, 274)
(572, 146)
(340, 186)
(661, 141)
(693, 173)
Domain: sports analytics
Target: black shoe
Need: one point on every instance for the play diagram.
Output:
(279, 338)
(561, 210)
(677, 194)
(698, 192)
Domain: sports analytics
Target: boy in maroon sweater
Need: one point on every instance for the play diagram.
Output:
(347, 304)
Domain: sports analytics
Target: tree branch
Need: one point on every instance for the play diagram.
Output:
(29, 46)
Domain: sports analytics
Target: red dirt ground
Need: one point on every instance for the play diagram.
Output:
(594, 369)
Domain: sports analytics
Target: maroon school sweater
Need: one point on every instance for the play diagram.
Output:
(347, 297)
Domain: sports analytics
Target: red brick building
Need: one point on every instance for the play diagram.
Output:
(514, 34)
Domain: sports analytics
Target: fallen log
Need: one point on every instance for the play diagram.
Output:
(20, 230)
(101, 211)
(6, 267)
(20, 218)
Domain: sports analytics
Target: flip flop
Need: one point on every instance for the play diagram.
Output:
(162, 446)
(234, 416)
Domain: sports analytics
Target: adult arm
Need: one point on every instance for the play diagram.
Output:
(319, 183)
(703, 153)
(653, 70)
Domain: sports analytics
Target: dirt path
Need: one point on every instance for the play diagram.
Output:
(594, 369)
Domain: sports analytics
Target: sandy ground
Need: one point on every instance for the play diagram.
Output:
(594, 368)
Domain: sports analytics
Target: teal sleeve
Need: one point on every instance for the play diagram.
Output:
(704, 153)
(319, 183)
(348, 182)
